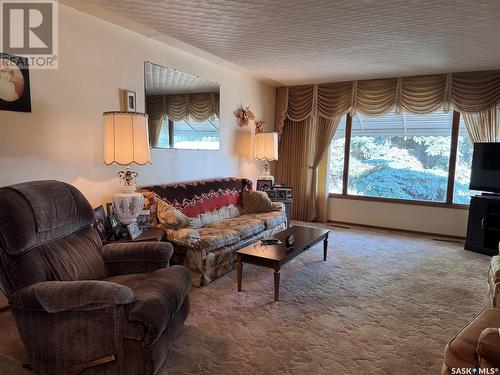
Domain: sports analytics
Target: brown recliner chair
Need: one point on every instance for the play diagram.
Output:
(78, 305)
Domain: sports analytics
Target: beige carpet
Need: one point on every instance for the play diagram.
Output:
(383, 303)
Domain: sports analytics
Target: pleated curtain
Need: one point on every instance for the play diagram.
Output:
(483, 126)
(199, 106)
(308, 115)
(155, 109)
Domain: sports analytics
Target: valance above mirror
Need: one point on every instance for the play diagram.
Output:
(183, 109)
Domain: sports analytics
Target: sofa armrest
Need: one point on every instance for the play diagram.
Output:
(488, 347)
(58, 296)
(184, 237)
(494, 281)
(495, 268)
(278, 206)
(138, 257)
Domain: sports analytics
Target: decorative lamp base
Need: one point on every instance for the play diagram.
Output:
(267, 172)
(128, 206)
(266, 177)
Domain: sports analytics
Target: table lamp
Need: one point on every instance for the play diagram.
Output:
(126, 141)
(266, 149)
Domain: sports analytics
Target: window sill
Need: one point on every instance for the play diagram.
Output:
(400, 201)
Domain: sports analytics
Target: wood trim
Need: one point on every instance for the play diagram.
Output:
(451, 173)
(453, 157)
(171, 142)
(400, 201)
(344, 223)
(347, 151)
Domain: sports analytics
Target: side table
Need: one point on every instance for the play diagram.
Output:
(151, 235)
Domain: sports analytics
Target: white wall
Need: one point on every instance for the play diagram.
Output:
(439, 220)
(62, 137)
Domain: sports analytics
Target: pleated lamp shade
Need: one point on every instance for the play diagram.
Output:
(126, 138)
(266, 146)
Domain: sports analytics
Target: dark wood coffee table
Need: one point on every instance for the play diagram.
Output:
(275, 256)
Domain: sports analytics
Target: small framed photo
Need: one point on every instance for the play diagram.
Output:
(289, 192)
(114, 223)
(272, 194)
(100, 223)
(143, 219)
(264, 185)
(133, 230)
(281, 193)
(109, 208)
(131, 101)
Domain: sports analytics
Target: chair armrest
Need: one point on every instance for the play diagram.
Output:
(58, 296)
(138, 257)
(488, 347)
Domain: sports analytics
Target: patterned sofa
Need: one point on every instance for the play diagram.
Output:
(215, 207)
(494, 281)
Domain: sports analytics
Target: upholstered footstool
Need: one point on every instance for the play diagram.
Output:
(494, 281)
(475, 346)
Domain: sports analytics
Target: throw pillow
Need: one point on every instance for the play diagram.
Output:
(170, 217)
(256, 201)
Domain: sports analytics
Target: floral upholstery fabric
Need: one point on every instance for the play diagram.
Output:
(186, 237)
(150, 203)
(218, 215)
(221, 261)
(271, 219)
(244, 225)
(494, 281)
(204, 201)
(279, 206)
(207, 266)
(215, 238)
(214, 207)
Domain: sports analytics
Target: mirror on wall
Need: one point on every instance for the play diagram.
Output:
(183, 109)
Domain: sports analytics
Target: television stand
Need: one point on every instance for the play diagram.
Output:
(483, 228)
(491, 195)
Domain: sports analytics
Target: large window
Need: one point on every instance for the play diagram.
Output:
(461, 192)
(337, 151)
(403, 157)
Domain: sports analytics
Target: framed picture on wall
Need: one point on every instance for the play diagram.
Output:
(131, 101)
(14, 83)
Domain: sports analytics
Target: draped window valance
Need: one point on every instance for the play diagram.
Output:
(469, 92)
(200, 106)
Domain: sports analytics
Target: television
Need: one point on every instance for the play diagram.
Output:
(485, 170)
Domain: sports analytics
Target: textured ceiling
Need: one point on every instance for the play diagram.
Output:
(306, 41)
(162, 81)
